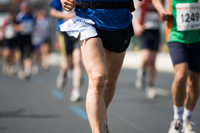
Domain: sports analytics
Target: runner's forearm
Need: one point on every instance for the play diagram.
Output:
(137, 6)
(56, 14)
(158, 5)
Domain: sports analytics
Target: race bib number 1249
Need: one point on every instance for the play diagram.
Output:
(188, 16)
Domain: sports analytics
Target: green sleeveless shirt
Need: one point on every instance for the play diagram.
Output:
(184, 27)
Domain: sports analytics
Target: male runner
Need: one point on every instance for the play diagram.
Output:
(183, 37)
(24, 26)
(104, 29)
(2, 27)
(40, 41)
(146, 27)
(10, 45)
(70, 49)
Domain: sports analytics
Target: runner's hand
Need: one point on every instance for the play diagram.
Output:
(138, 29)
(165, 14)
(68, 5)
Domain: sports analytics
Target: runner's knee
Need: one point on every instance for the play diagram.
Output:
(98, 81)
(181, 78)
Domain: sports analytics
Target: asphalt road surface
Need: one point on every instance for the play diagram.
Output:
(36, 106)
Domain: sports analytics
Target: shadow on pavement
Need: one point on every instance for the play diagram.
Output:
(19, 114)
(3, 128)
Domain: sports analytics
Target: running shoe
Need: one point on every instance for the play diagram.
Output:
(140, 81)
(60, 82)
(26, 76)
(23, 75)
(150, 92)
(188, 127)
(106, 130)
(175, 126)
(20, 74)
(35, 70)
(11, 71)
(75, 95)
(4, 69)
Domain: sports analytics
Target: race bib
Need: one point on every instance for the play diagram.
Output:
(27, 27)
(9, 32)
(151, 20)
(188, 16)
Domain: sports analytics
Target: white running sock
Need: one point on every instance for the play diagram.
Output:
(187, 115)
(178, 112)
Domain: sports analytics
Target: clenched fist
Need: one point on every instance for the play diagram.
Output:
(165, 14)
(68, 5)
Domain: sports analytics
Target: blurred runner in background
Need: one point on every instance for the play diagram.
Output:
(41, 41)
(146, 28)
(183, 37)
(9, 46)
(1, 36)
(70, 49)
(24, 26)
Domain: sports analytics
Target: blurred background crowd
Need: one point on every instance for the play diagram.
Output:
(25, 36)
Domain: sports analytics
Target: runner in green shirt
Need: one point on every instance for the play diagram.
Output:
(183, 37)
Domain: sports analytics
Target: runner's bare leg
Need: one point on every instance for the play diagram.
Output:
(94, 59)
(114, 63)
(192, 91)
(179, 84)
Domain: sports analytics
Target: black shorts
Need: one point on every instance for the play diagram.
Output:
(25, 45)
(1, 43)
(10, 43)
(116, 41)
(37, 47)
(68, 44)
(150, 40)
(189, 53)
(47, 40)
